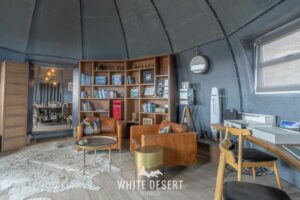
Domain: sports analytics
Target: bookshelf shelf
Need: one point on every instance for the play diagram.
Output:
(133, 81)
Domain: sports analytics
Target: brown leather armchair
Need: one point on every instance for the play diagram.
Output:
(180, 146)
(109, 127)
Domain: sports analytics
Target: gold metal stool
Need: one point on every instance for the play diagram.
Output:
(149, 162)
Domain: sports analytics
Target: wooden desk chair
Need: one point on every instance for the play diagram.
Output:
(243, 158)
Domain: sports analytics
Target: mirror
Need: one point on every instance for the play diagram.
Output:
(198, 64)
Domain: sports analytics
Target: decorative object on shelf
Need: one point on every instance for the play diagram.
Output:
(161, 110)
(148, 76)
(117, 109)
(130, 80)
(117, 79)
(70, 86)
(147, 121)
(133, 117)
(100, 80)
(149, 91)
(199, 64)
(134, 93)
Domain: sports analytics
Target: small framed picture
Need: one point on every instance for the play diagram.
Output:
(148, 76)
(147, 121)
(70, 86)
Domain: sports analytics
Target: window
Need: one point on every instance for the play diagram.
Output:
(278, 62)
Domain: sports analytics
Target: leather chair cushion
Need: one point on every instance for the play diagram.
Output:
(175, 128)
(249, 191)
(107, 125)
(254, 155)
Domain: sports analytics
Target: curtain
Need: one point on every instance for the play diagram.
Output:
(48, 92)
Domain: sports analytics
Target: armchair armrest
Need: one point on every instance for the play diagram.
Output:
(137, 131)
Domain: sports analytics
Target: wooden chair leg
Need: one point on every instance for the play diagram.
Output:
(220, 178)
(253, 173)
(239, 171)
(276, 172)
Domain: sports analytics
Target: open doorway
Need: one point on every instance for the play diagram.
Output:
(52, 99)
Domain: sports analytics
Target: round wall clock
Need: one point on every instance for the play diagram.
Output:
(199, 64)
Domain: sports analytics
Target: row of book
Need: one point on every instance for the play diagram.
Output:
(85, 79)
(87, 106)
(105, 94)
(148, 107)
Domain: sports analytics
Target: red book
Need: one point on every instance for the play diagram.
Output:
(117, 109)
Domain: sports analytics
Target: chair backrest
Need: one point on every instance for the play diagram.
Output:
(225, 149)
(226, 144)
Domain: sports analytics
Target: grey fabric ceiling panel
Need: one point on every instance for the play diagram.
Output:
(56, 29)
(15, 19)
(102, 33)
(188, 22)
(144, 32)
(235, 13)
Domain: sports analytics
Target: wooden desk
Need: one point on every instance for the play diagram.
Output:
(277, 150)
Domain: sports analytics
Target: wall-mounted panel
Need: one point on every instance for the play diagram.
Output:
(144, 32)
(188, 22)
(235, 13)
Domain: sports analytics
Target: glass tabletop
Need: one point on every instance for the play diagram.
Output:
(98, 142)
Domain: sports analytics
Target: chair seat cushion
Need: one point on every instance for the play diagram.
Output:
(254, 155)
(249, 191)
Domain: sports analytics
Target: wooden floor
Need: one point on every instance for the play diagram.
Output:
(198, 183)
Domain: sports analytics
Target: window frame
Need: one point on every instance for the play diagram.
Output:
(274, 35)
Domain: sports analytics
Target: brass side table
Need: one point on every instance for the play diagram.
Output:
(97, 143)
(149, 163)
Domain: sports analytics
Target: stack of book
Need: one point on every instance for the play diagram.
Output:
(148, 107)
(85, 79)
(117, 79)
(87, 106)
(166, 88)
(130, 80)
(105, 94)
(100, 80)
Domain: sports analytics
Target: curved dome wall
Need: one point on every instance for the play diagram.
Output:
(66, 31)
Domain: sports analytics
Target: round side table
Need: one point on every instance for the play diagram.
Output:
(149, 163)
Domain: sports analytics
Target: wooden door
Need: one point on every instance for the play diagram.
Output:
(13, 105)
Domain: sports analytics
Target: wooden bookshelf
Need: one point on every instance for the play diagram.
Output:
(163, 72)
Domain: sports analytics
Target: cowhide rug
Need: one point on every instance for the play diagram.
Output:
(49, 167)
